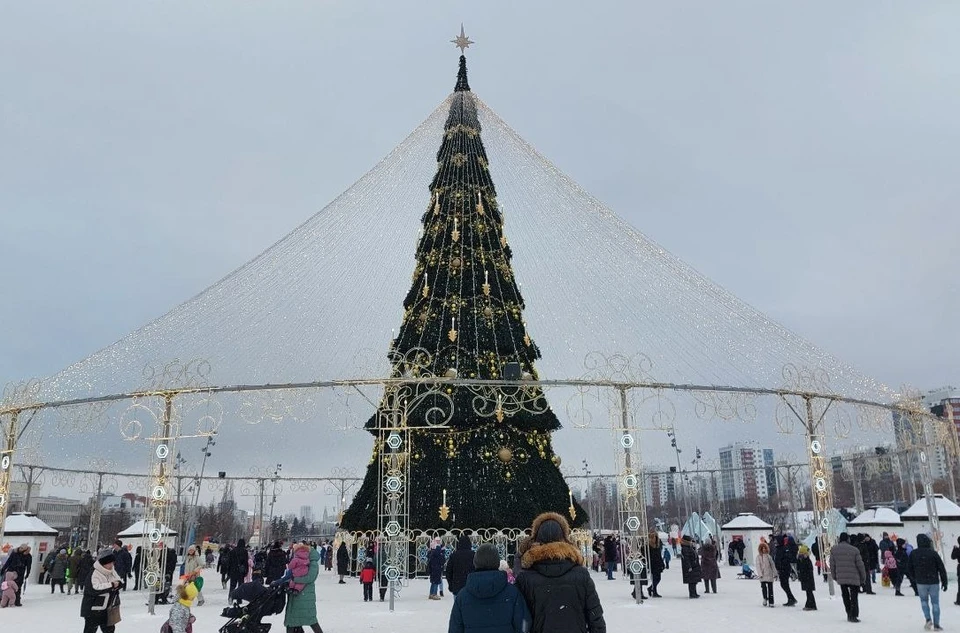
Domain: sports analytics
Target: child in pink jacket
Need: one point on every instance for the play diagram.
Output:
(9, 588)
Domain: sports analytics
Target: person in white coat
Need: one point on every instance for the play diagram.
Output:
(193, 566)
(767, 573)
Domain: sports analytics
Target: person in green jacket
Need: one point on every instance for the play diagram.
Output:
(302, 607)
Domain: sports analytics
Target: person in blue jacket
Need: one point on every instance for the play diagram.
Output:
(488, 602)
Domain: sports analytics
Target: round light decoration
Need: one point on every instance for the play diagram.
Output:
(155, 535)
(159, 493)
(633, 523)
(393, 528)
(630, 481)
(626, 440)
(394, 441)
(392, 573)
(825, 523)
(821, 484)
(393, 483)
(5, 462)
(151, 578)
(162, 451)
(637, 566)
(923, 457)
(816, 447)
(3, 500)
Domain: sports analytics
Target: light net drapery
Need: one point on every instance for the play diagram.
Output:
(321, 303)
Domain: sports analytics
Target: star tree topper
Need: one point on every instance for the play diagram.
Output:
(462, 41)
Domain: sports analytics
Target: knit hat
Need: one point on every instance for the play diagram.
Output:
(105, 557)
(187, 593)
(487, 558)
(804, 550)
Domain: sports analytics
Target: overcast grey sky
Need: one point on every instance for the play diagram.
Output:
(804, 155)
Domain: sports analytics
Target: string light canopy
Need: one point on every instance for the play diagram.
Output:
(540, 254)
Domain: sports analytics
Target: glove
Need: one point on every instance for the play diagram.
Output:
(944, 586)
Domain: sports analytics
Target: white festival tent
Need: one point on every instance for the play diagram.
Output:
(142, 529)
(876, 521)
(749, 528)
(916, 520)
(27, 528)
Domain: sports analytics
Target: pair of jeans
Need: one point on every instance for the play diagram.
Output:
(767, 589)
(367, 591)
(611, 566)
(435, 588)
(851, 600)
(931, 594)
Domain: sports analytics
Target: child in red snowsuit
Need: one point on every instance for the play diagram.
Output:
(367, 575)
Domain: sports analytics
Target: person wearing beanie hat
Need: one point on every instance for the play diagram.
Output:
(558, 589)
(692, 573)
(847, 568)
(180, 616)
(488, 601)
(101, 596)
(808, 582)
(58, 570)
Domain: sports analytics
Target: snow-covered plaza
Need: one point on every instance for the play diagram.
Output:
(737, 607)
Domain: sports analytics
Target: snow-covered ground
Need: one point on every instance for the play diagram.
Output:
(341, 608)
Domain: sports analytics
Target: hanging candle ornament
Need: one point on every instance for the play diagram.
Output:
(426, 286)
(436, 203)
(479, 203)
(486, 283)
(455, 235)
(452, 334)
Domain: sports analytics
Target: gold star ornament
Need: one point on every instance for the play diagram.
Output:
(462, 41)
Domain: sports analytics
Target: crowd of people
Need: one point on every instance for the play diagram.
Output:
(545, 586)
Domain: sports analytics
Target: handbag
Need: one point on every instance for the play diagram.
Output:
(113, 615)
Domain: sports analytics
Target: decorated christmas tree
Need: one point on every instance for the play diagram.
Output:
(492, 462)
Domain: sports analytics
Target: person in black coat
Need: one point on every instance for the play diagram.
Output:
(123, 564)
(343, 562)
(926, 568)
(610, 555)
(238, 565)
(435, 563)
(223, 565)
(655, 562)
(785, 559)
(690, 565)
(460, 565)
(558, 589)
(276, 563)
(955, 555)
(488, 602)
(18, 562)
(903, 559)
(869, 550)
(808, 581)
(84, 569)
(137, 568)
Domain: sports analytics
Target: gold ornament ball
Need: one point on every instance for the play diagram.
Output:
(488, 311)
(452, 372)
(505, 455)
(455, 262)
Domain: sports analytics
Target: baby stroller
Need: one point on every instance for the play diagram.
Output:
(246, 618)
(746, 572)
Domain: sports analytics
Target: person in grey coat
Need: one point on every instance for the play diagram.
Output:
(848, 570)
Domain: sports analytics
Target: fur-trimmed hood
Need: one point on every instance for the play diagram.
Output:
(555, 552)
(530, 542)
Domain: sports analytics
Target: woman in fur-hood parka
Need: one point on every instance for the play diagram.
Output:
(557, 587)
